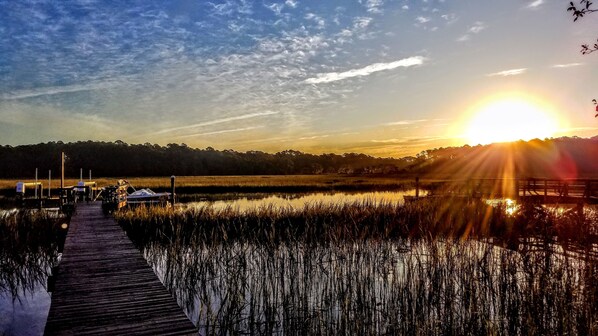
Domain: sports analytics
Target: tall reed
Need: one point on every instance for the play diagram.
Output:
(416, 269)
(29, 246)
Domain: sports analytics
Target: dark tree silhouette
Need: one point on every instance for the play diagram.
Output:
(580, 10)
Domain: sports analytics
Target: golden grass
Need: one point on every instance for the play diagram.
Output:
(232, 181)
(371, 269)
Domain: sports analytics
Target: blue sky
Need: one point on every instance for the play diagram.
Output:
(388, 78)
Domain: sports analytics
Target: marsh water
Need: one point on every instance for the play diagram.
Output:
(30, 247)
(386, 286)
(26, 263)
(373, 286)
(296, 200)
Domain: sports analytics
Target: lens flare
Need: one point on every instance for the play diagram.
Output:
(510, 119)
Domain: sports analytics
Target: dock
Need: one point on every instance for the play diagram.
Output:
(538, 190)
(104, 286)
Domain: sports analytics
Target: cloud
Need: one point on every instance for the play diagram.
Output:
(54, 90)
(291, 3)
(217, 121)
(230, 7)
(476, 28)
(422, 19)
(449, 18)
(567, 65)
(404, 122)
(373, 6)
(320, 22)
(276, 8)
(222, 131)
(361, 22)
(365, 71)
(315, 137)
(511, 72)
(535, 4)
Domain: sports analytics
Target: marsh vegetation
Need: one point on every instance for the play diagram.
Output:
(29, 246)
(419, 268)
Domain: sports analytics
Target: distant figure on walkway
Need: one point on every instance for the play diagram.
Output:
(594, 101)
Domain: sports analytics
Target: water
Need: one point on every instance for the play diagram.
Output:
(27, 314)
(297, 201)
(373, 287)
(24, 300)
(29, 248)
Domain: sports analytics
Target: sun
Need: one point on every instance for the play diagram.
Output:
(510, 119)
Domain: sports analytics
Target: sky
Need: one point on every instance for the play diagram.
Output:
(381, 77)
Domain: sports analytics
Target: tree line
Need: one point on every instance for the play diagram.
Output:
(119, 159)
(565, 157)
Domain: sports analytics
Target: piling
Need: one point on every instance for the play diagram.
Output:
(172, 178)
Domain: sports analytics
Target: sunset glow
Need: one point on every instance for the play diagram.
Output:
(383, 78)
(510, 120)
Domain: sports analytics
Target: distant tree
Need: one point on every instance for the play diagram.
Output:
(583, 8)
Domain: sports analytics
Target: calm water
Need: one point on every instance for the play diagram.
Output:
(27, 314)
(29, 247)
(295, 201)
(25, 302)
(372, 287)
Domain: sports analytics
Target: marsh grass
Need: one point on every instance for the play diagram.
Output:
(247, 184)
(422, 268)
(29, 247)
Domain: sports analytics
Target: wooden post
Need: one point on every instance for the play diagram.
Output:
(417, 187)
(36, 183)
(49, 182)
(61, 193)
(62, 171)
(172, 178)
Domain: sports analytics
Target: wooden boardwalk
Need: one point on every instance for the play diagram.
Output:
(546, 191)
(104, 286)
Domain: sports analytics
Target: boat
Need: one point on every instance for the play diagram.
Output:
(147, 196)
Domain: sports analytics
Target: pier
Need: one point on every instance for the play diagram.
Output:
(104, 286)
(538, 190)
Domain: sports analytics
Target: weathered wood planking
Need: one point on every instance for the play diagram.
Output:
(105, 287)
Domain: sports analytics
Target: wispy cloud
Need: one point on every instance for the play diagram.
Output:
(320, 22)
(450, 18)
(315, 137)
(54, 90)
(374, 6)
(505, 73)
(365, 71)
(217, 121)
(535, 4)
(422, 19)
(291, 3)
(567, 65)
(476, 28)
(404, 122)
(221, 131)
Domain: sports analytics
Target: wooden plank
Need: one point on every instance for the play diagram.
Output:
(105, 287)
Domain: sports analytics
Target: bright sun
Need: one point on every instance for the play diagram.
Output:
(510, 119)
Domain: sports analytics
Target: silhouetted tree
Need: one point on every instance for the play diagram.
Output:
(580, 10)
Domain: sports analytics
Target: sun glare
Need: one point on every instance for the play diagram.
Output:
(507, 120)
